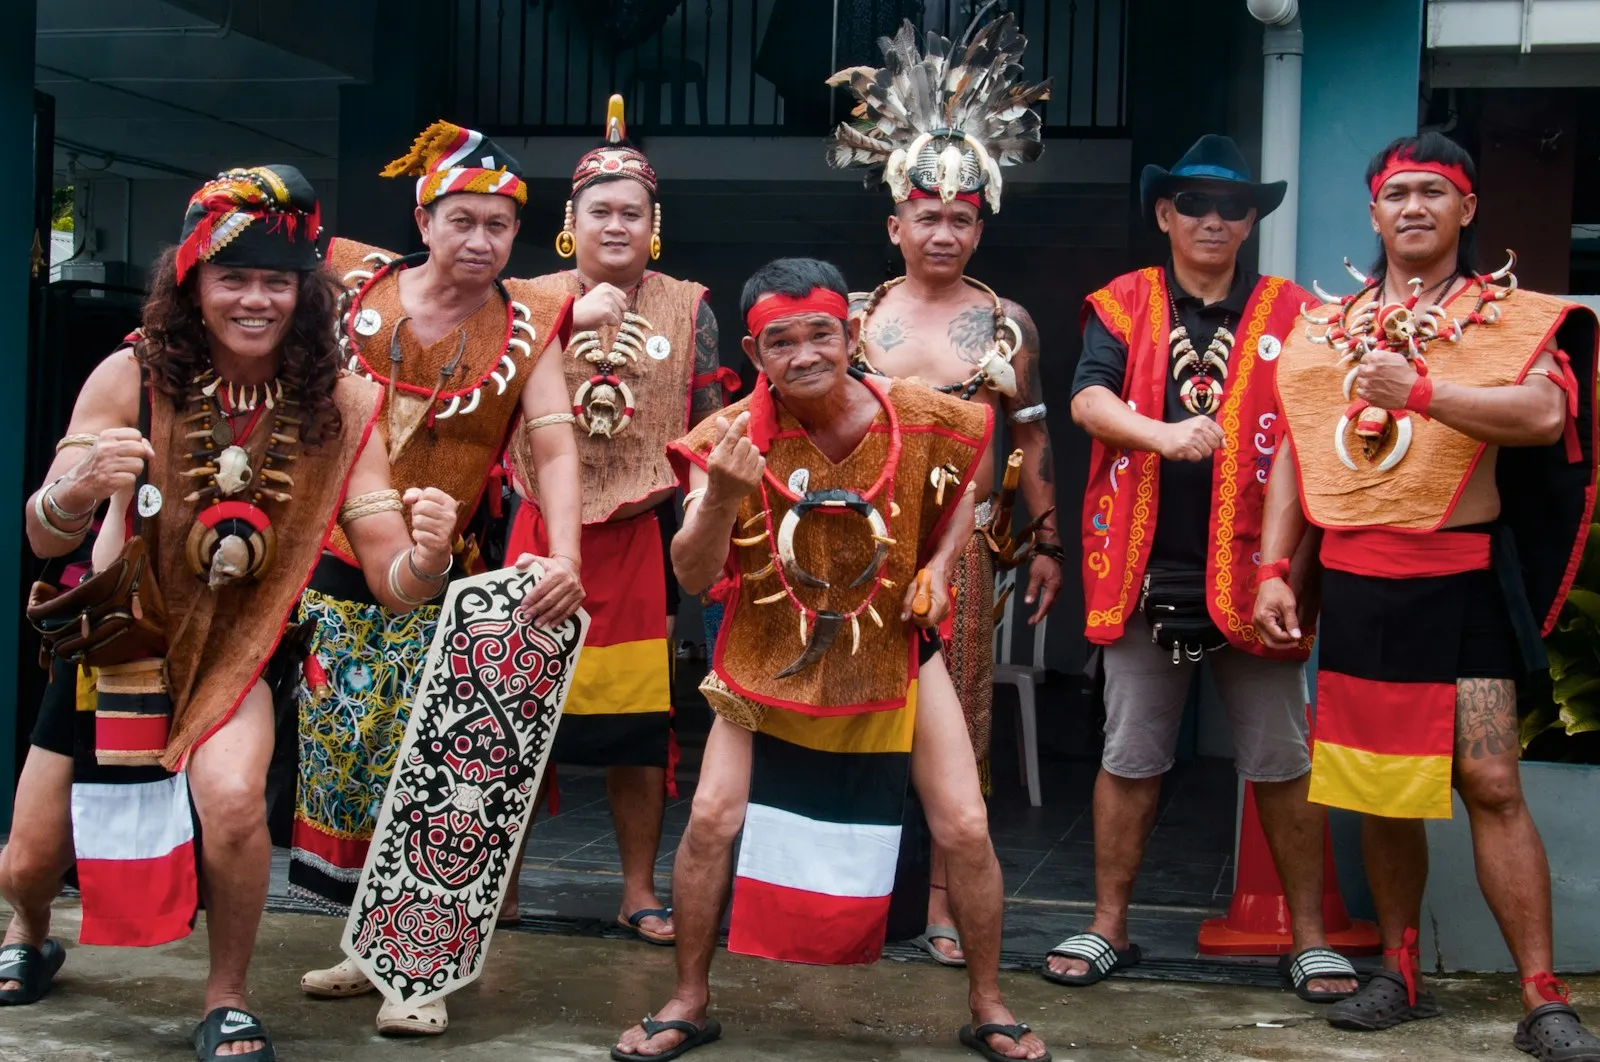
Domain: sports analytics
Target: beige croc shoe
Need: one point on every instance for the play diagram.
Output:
(336, 982)
(429, 1019)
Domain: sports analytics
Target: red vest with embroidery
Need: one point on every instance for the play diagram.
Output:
(1120, 504)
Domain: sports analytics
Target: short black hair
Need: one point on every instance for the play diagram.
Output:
(611, 179)
(794, 277)
(1429, 147)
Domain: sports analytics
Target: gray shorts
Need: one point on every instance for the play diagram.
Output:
(1145, 697)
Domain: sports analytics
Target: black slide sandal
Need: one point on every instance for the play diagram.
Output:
(33, 968)
(230, 1025)
(978, 1040)
(1317, 964)
(1103, 959)
(698, 1036)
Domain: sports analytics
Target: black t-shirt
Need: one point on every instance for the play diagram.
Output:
(1183, 512)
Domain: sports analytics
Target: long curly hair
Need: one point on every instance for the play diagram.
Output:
(177, 348)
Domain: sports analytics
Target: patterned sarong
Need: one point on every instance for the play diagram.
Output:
(969, 647)
(349, 735)
(618, 713)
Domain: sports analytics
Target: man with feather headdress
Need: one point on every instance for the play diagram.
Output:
(935, 125)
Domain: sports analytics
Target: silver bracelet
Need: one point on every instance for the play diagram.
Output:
(397, 591)
(427, 577)
(1029, 414)
(50, 526)
(692, 497)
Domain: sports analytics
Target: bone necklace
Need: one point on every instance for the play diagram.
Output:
(232, 537)
(994, 368)
(1401, 328)
(603, 404)
(1201, 393)
(433, 403)
(819, 627)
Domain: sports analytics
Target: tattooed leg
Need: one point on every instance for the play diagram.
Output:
(1512, 869)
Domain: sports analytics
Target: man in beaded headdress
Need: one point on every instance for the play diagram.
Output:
(945, 329)
(461, 356)
(1175, 387)
(641, 368)
(810, 506)
(224, 436)
(1443, 438)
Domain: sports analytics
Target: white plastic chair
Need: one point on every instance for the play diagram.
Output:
(1025, 677)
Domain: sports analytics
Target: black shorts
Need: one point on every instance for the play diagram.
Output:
(1489, 646)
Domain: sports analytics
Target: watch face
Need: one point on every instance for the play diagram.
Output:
(1269, 348)
(800, 480)
(659, 348)
(149, 501)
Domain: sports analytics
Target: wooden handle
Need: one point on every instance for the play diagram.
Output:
(922, 600)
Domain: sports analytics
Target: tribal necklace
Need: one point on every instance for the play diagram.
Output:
(993, 369)
(603, 404)
(1201, 393)
(429, 405)
(819, 627)
(232, 538)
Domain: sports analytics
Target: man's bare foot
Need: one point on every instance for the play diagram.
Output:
(652, 927)
(1117, 935)
(996, 1013)
(635, 1042)
(238, 1047)
(1323, 984)
(948, 948)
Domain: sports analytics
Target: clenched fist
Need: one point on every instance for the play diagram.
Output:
(113, 465)
(1385, 379)
(603, 307)
(1190, 440)
(734, 466)
(433, 527)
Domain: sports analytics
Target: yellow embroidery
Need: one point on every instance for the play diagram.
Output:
(1119, 317)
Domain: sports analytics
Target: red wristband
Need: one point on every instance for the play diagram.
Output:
(1278, 569)
(1421, 396)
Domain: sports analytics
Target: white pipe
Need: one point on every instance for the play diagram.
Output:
(1283, 48)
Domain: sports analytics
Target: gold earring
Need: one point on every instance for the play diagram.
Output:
(566, 243)
(655, 236)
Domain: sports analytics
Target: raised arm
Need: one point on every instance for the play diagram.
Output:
(404, 568)
(1031, 434)
(1531, 413)
(547, 418)
(100, 456)
(711, 508)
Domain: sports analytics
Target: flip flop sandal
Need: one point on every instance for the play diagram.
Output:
(340, 981)
(933, 933)
(1554, 1033)
(978, 1040)
(635, 922)
(230, 1025)
(1382, 1004)
(1316, 964)
(413, 1019)
(1101, 955)
(33, 968)
(697, 1036)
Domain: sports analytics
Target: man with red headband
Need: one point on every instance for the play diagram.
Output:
(811, 516)
(460, 356)
(642, 367)
(939, 326)
(1441, 433)
(1175, 387)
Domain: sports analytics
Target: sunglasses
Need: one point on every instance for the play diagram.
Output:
(1234, 206)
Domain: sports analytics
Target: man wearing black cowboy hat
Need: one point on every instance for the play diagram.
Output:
(1175, 385)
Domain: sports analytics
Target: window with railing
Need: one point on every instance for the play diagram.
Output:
(745, 67)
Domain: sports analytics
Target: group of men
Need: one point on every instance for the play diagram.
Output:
(280, 468)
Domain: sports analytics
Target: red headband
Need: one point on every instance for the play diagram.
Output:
(1404, 163)
(772, 307)
(965, 197)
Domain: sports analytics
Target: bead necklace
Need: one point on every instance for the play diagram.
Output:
(993, 369)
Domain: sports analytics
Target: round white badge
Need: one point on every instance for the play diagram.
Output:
(149, 501)
(800, 480)
(367, 322)
(1269, 348)
(659, 348)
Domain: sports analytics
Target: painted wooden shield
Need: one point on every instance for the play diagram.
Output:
(462, 792)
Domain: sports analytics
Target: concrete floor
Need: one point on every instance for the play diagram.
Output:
(554, 999)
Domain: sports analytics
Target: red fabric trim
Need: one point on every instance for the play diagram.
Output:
(773, 307)
(138, 903)
(674, 754)
(347, 852)
(1421, 396)
(147, 733)
(1392, 718)
(625, 583)
(963, 197)
(725, 376)
(981, 452)
(793, 925)
(1402, 162)
(1389, 554)
(1278, 569)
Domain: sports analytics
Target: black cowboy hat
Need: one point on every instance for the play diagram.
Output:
(1212, 158)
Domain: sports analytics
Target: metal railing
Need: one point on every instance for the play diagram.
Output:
(744, 67)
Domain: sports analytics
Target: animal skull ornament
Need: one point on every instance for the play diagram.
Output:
(229, 562)
(233, 470)
(603, 406)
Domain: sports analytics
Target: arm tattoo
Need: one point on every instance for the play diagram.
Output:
(706, 400)
(1030, 387)
(1486, 718)
(886, 335)
(971, 332)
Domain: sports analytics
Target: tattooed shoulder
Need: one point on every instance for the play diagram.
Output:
(705, 400)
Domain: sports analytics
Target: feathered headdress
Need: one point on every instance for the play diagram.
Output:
(447, 158)
(260, 217)
(940, 122)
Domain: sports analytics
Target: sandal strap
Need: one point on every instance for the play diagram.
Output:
(1092, 948)
(637, 918)
(230, 1025)
(651, 1026)
(942, 933)
(19, 962)
(1319, 964)
(1014, 1033)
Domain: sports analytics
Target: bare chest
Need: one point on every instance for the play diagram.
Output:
(939, 345)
